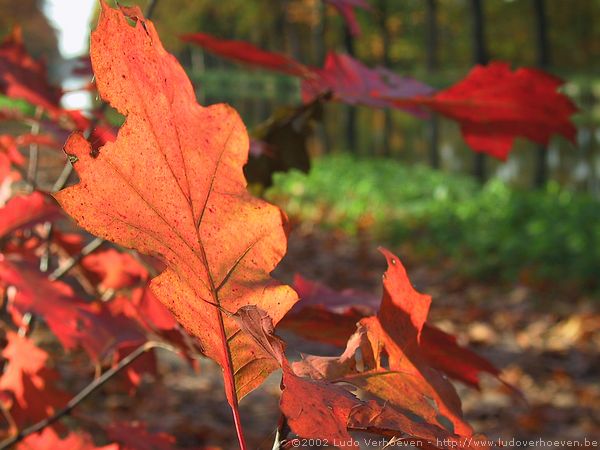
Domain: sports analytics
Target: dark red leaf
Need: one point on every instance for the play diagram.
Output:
(328, 316)
(92, 326)
(135, 436)
(23, 77)
(352, 82)
(48, 439)
(28, 380)
(113, 269)
(247, 53)
(26, 211)
(494, 105)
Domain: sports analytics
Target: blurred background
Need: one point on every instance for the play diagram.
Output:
(436, 41)
(437, 197)
(510, 251)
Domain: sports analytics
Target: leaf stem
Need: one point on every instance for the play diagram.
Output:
(84, 393)
(283, 430)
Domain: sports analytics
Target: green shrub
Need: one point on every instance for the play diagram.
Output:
(488, 230)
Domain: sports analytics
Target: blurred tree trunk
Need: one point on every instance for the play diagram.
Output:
(318, 35)
(319, 43)
(291, 33)
(480, 56)
(386, 61)
(432, 67)
(350, 109)
(543, 62)
(280, 25)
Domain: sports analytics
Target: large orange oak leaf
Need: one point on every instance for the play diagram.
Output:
(172, 185)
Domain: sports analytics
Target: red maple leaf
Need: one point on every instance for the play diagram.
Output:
(26, 211)
(28, 381)
(92, 326)
(113, 269)
(135, 436)
(352, 82)
(494, 105)
(325, 315)
(23, 77)
(48, 439)
(247, 53)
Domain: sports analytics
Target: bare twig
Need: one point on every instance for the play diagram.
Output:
(45, 259)
(84, 393)
(71, 262)
(12, 426)
(34, 148)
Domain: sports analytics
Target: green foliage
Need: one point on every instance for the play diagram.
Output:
(20, 106)
(492, 230)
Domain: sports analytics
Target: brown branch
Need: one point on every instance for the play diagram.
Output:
(84, 393)
(32, 166)
(71, 262)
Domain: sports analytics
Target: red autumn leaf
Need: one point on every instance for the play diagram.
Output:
(26, 211)
(346, 9)
(10, 148)
(153, 317)
(94, 327)
(113, 269)
(23, 77)
(100, 134)
(352, 82)
(28, 380)
(151, 312)
(392, 369)
(443, 352)
(396, 330)
(135, 436)
(494, 105)
(10, 144)
(172, 185)
(247, 53)
(100, 329)
(48, 439)
(325, 315)
(145, 364)
(320, 409)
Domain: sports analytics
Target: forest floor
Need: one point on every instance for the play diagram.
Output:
(546, 344)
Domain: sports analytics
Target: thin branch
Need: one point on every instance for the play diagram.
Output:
(32, 167)
(12, 426)
(71, 262)
(85, 393)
